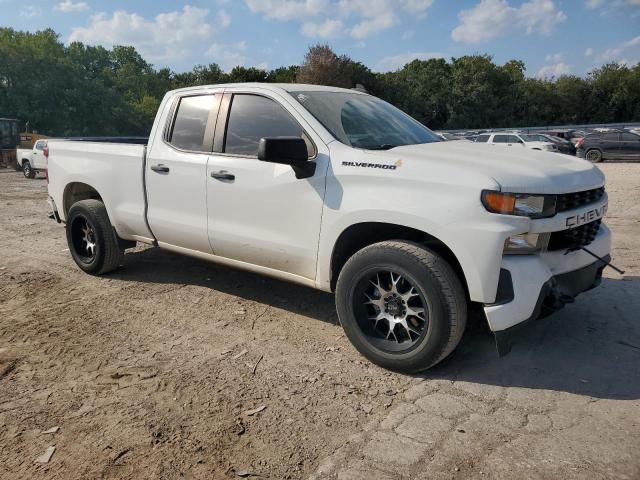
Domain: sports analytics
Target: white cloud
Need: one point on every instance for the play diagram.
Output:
(588, 52)
(326, 29)
(493, 18)
(29, 11)
(166, 37)
(68, 6)
(228, 55)
(594, 4)
(371, 26)
(620, 53)
(331, 18)
(395, 62)
(554, 70)
(287, 9)
(224, 19)
(554, 57)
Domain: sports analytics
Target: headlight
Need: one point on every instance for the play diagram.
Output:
(520, 204)
(526, 243)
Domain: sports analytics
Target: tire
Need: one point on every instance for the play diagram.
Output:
(594, 155)
(92, 241)
(27, 170)
(430, 338)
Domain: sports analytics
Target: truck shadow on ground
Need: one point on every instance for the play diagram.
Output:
(591, 347)
(154, 265)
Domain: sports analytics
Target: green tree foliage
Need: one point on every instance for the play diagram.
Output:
(76, 89)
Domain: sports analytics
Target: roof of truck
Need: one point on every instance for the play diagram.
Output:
(288, 87)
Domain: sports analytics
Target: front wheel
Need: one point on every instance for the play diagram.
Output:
(401, 305)
(27, 171)
(594, 156)
(92, 241)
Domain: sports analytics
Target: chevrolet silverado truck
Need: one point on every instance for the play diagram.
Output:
(33, 160)
(340, 191)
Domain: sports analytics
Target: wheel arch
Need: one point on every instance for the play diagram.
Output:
(360, 235)
(77, 191)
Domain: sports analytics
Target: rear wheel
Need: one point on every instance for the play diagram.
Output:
(92, 241)
(27, 170)
(401, 305)
(593, 155)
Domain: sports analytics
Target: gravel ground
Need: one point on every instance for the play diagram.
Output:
(157, 371)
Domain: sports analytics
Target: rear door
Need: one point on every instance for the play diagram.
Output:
(610, 144)
(259, 212)
(629, 145)
(176, 176)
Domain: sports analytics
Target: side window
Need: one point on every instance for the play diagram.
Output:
(39, 145)
(630, 137)
(611, 137)
(482, 138)
(253, 117)
(514, 139)
(501, 139)
(190, 124)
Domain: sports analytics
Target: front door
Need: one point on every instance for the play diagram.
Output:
(176, 176)
(630, 146)
(259, 212)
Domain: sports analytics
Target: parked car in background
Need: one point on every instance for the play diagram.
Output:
(564, 146)
(568, 134)
(32, 161)
(597, 147)
(449, 137)
(510, 139)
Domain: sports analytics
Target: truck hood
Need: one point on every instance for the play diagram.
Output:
(517, 170)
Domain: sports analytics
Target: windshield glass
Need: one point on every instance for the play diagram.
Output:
(363, 121)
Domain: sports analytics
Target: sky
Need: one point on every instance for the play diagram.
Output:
(552, 37)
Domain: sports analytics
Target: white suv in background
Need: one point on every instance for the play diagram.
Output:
(509, 139)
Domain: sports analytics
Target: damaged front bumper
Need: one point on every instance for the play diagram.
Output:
(533, 287)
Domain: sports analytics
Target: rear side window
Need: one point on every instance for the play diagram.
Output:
(190, 123)
(482, 138)
(253, 117)
(501, 139)
(630, 137)
(611, 137)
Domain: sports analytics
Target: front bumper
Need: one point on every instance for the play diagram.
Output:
(532, 286)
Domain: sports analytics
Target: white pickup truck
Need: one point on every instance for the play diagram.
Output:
(32, 161)
(340, 191)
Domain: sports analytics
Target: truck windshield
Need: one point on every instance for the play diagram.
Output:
(363, 121)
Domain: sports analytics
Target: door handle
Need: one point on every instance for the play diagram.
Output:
(223, 175)
(160, 168)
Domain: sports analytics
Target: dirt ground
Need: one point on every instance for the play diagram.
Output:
(176, 368)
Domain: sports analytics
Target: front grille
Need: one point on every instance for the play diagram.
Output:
(574, 238)
(569, 201)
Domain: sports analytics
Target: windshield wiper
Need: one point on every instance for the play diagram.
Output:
(384, 146)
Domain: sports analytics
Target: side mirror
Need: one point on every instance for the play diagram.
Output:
(289, 151)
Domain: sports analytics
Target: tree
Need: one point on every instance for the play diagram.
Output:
(79, 89)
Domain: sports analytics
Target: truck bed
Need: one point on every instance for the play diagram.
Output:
(114, 169)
